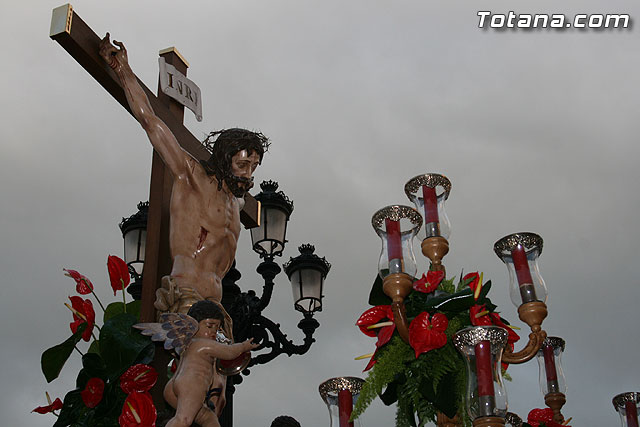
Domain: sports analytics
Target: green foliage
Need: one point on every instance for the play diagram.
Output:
(116, 308)
(377, 295)
(447, 285)
(121, 346)
(53, 359)
(390, 361)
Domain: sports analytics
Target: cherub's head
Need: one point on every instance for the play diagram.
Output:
(209, 316)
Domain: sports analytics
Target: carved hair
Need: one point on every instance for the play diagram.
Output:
(206, 310)
(224, 144)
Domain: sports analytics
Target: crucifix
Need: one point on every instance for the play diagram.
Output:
(192, 191)
(68, 29)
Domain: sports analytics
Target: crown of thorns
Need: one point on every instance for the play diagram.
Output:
(236, 134)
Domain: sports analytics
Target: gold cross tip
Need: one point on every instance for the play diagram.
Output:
(174, 50)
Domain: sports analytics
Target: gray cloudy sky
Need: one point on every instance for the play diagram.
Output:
(537, 130)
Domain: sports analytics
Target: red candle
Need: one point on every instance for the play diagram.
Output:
(549, 363)
(430, 204)
(484, 372)
(632, 413)
(345, 406)
(394, 240)
(521, 264)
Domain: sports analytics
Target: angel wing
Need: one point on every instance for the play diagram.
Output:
(175, 329)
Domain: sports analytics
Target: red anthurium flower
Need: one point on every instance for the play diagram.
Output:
(475, 280)
(92, 393)
(118, 273)
(479, 315)
(372, 316)
(52, 406)
(82, 312)
(138, 411)
(542, 416)
(428, 283)
(384, 336)
(138, 378)
(497, 320)
(83, 285)
(426, 335)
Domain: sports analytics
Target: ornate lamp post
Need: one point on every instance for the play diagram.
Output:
(134, 233)
(306, 272)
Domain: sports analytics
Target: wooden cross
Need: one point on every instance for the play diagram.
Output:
(83, 45)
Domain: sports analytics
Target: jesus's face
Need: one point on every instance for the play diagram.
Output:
(243, 164)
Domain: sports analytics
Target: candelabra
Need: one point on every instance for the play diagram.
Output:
(484, 348)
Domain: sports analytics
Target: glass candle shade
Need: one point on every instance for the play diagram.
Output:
(397, 226)
(520, 252)
(340, 395)
(550, 366)
(482, 348)
(627, 405)
(428, 193)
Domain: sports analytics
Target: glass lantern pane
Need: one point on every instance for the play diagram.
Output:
(270, 236)
(134, 248)
(277, 221)
(306, 285)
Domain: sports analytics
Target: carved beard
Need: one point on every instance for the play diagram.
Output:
(233, 182)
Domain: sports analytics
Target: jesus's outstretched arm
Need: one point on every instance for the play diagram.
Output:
(159, 134)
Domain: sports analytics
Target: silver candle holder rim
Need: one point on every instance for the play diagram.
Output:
(337, 384)
(622, 398)
(555, 342)
(396, 213)
(531, 241)
(430, 180)
(496, 335)
(513, 419)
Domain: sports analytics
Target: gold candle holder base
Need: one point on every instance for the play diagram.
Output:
(397, 286)
(531, 313)
(488, 422)
(556, 401)
(444, 421)
(435, 248)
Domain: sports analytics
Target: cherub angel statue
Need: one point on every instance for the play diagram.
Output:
(198, 341)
